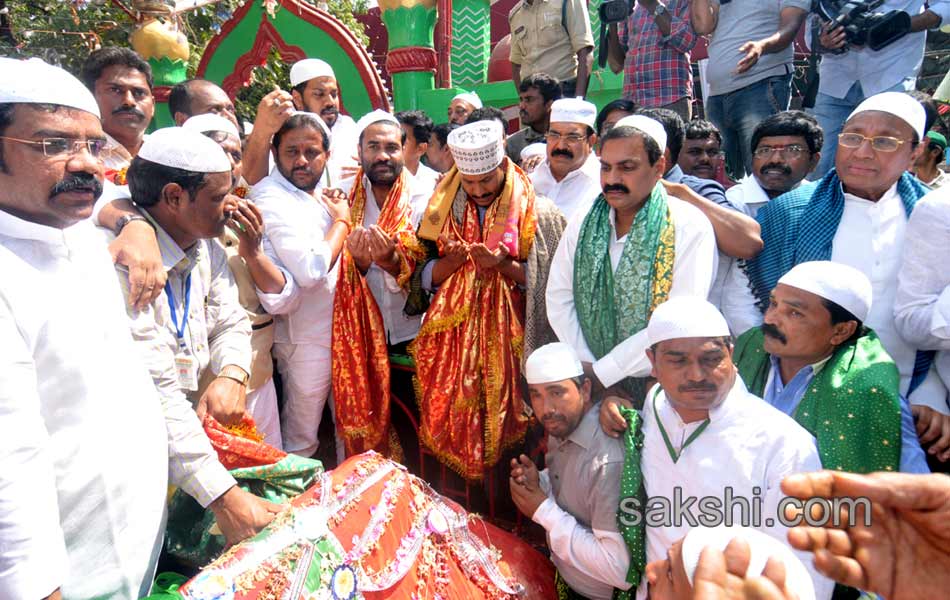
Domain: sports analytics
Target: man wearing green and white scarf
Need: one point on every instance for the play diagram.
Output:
(635, 248)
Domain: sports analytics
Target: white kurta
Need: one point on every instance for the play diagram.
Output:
(575, 193)
(870, 238)
(748, 444)
(922, 305)
(343, 147)
(84, 455)
(694, 267)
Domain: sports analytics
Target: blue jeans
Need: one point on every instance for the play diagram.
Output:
(737, 113)
(832, 112)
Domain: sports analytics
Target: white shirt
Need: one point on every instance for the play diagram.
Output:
(576, 192)
(694, 266)
(870, 238)
(84, 455)
(296, 224)
(922, 305)
(344, 143)
(878, 71)
(423, 185)
(748, 444)
(732, 292)
(390, 298)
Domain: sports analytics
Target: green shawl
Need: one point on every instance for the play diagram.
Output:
(611, 307)
(851, 406)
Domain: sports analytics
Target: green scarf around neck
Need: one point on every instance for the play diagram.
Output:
(851, 406)
(612, 306)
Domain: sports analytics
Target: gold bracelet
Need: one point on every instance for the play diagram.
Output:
(349, 227)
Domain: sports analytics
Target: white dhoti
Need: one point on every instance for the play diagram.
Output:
(305, 369)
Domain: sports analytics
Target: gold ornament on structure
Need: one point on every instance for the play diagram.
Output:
(155, 39)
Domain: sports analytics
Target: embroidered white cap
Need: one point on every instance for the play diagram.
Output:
(651, 127)
(685, 317)
(762, 547)
(378, 115)
(574, 110)
(210, 122)
(552, 362)
(184, 149)
(309, 68)
(36, 82)
(842, 284)
(477, 147)
(470, 97)
(899, 104)
(536, 149)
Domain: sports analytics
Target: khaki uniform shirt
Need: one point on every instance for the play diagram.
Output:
(542, 43)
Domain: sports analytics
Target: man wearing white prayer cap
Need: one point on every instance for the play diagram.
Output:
(704, 433)
(673, 577)
(83, 500)
(570, 175)
(576, 497)
(857, 215)
(315, 89)
(813, 359)
(462, 106)
(488, 241)
(600, 292)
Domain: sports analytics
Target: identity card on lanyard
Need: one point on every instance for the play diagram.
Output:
(185, 364)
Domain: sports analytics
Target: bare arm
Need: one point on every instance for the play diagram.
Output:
(274, 108)
(616, 51)
(136, 247)
(737, 234)
(512, 269)
(790, 21)
(704, 16)
(516, 75)
(924, 21)
(585, 59)
(248, 225)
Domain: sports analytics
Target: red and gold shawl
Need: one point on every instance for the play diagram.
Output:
(468, 351)
(360, 373)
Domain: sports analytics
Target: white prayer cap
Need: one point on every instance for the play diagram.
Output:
(899, 104)
(185, 149)
(762, 547)
(552, 362)
(374, 117)
(685, 317)
(470, 97)
(309, 68)
(210, 122)
(477, 147)
(536, 149)
(36, 82)
(651, 127)
(842, 284)
(574, 110)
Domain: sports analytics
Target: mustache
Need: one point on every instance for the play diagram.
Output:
(786, 170)
(129, 109)
(616, 187)
(773, 332)
(330, 110)
(389, 164)
(562, 152)
(702, 386)
(77, 182)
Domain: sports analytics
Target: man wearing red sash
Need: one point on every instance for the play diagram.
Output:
(487, 272)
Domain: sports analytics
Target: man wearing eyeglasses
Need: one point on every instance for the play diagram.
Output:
(570, 176)
(857, 215)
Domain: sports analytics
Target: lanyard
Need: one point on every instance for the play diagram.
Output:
(666, 438)
(180, 331)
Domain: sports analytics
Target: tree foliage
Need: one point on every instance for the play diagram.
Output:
(63, 32)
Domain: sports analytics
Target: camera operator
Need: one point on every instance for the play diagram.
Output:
(846, 79)
(652, 47)
(750, 66)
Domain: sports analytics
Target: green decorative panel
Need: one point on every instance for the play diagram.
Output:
(471, 42)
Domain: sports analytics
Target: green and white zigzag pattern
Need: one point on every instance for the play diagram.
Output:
(471, 37)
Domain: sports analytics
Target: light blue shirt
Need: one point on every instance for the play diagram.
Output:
(880, 70)
(786, 398)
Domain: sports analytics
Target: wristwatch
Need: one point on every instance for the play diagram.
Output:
(660, 10)
(125, 220)
(236, 373)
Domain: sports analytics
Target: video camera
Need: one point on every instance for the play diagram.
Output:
(615, 11)
(863, 26)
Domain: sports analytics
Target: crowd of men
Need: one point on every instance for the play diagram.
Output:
(675, 333)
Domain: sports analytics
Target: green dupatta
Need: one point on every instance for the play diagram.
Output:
(851, 406)
(611, 306)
